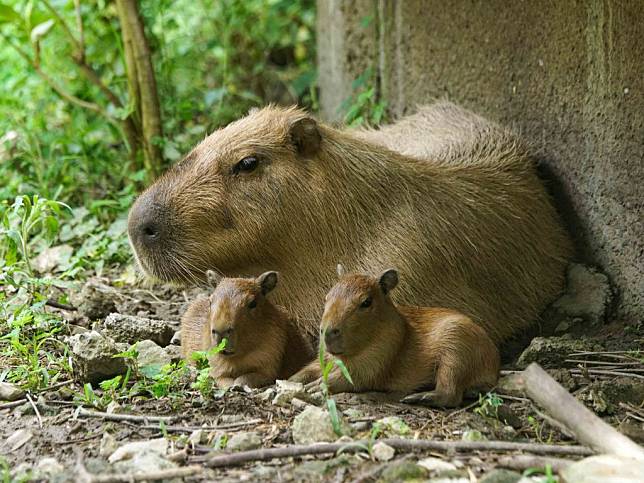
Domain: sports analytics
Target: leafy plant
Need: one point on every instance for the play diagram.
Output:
(204, 383)
(538, 430)
(546, 471)
(327, 364)
(364, 105)
(489, 405)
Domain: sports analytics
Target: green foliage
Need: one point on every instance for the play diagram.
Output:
(547, 472)
(537, 428)
(489, 405)
(327, 364)
(364, 107)
(204, 383)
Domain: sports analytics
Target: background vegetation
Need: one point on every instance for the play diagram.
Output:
(68, 171)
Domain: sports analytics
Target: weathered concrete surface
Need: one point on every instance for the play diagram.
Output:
(568, 75)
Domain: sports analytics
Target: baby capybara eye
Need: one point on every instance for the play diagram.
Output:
(252, 304)
(248, 164)
(366, 303)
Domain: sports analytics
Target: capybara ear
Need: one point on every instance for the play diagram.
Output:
(267, 281)
(213, 278)
(306, 136)
(340, 270)
(388, 280)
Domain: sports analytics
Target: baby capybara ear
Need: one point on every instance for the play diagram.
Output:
(305, 135)
(213, 278)
(267, 281)
(388, 280)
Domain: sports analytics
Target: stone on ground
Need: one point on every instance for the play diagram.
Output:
(382, 451)
(604, 469)
(313, 425)
(92, 359)
(130, 329)
(244, 441)
(133, 448)
(95, 300)
(10, 392)
(552, 351)
(393, 427)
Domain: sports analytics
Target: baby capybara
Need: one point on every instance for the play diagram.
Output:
(401, 348)
(262, 341)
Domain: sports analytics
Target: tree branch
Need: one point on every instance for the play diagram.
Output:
(63, 24)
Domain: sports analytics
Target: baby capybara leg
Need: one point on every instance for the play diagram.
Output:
(449, 388)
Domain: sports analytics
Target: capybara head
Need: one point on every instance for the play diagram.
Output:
(353, 308)
(237, 310)
(228, 200)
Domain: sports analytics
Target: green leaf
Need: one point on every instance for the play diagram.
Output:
(151, 370)
(334, 416)
(41, 30)
(343, 369)
(8, 14)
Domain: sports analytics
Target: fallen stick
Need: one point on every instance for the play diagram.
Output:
(85, 413)
(190, 429)
(588, 429)
(13, 404)
(33, 405)
(241, 457)
(58, 305)
(523, 462)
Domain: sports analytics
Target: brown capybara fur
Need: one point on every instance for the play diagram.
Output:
(450, 198)
(262, 342)
(401, 349)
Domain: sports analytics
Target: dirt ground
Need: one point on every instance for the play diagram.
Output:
(59, 432)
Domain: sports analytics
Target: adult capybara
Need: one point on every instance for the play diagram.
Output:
(448, 197)
(263, 342)
(401, 348)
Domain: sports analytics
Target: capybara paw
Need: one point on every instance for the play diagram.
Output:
(433, 399)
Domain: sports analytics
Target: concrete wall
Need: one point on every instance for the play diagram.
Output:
(569, 75)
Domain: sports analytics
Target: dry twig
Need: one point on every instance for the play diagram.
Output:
(33, 405)
(400, 444)
(82, 412)
(587, 428)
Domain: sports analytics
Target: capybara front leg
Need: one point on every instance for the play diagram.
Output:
(254, 379)
(308, 374)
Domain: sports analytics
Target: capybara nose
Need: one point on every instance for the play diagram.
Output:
(149, 232)
(331, 335)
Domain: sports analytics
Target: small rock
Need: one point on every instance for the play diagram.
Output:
(604, 468)
(129, 450)
(500, 476)
(96, 299)
(383, 452)
(287, 390)
(53, 259)
(298, 403)
(10, 392)
(314, 425)
(401, 471)
(359, 426)
(197, 437)
(151, 357)
(510, 385)
(353, 413)
(48, 467)
(267, 395)
(244, 441)
(173, 352)
(144, 461)
(552, 351)
(131, 329)
(176, 338)
(19, 438)
(393, 426)
(92, 359)
(587, 295)
(436, 465)
(605, 396)
(316, 470)
(473, 435)
(113, 407)
(107, 446)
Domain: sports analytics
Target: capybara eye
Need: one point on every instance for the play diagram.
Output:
(366, 303)
(248, 164)
(252, 304)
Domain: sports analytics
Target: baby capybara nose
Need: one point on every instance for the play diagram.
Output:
(331, 336)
